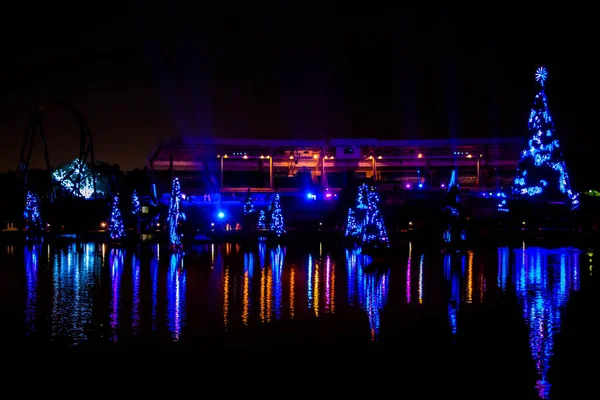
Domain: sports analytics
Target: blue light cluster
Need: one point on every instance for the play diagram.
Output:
(542, 161)
(33, 219)
(262, 220)
(116, 227)
(79, 180)
(365, 222)
(276, 225)
(248, 206)
(135, 203)
(175, 215)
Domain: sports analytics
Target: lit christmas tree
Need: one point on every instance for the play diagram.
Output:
(262, 220)
(135, 203)
(248, 206)
(353, 228)
(541, 169)
(365, 221)
(116, 227)
(276, 225)
(374, 226)
(175, 214)
(33, 219)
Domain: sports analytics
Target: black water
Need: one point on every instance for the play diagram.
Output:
(491, 323)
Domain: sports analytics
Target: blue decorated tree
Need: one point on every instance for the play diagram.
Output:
(116, 227)
(248, 206)
(33, 219)
(135, 203)
(541, 170)
(276, 225)
(175, 215)
(374, 227)
(353, 227)
(262, 220)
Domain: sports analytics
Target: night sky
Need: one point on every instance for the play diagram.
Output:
(276, 70)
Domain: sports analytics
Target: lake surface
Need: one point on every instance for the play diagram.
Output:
(504, 308)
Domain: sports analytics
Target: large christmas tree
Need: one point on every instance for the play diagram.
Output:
(541, 169)
(116, 227)
(276, 225)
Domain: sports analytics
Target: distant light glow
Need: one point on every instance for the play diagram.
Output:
(221, 215)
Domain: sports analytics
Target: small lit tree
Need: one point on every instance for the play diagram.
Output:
(33, 220)
(262, 220)
(116, 227)
(374, 226)
(175, 215)
(541, 169)
(135, 203)
(353, 227)
(248, 206)
(276, 225)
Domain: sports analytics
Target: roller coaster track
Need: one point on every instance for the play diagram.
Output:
(35, 127)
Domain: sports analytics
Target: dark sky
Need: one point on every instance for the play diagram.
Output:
(140, 73)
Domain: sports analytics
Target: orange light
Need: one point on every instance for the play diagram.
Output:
(225, 156)
(267, 156)
(379, 157)
(103, 224)
(420, 155)
(469, 155)
(262, 157)
(245, 157)
(291, 157)
(315, 156)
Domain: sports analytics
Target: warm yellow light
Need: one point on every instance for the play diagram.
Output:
(225, 156)
(420, 155)
(218, 156)
(245, 157)
(370, 158)
(379, 157)
(331, 158)
(262, 156)
(268, 157)
(315, 156)
(103, 224)
(469, 156)
(291, 157)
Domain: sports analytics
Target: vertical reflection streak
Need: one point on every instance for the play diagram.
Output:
(135, 306)
(421, 279)
(226, 296)
(316, 290)
(176, 295)
(408, 272)
(32, 256)
(292, 292)
(469, 277)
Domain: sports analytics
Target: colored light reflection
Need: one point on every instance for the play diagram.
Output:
(154, 273)
(116, 272)
(277, 259)
(135, 302)
(74, 276)
(369, 289)
(452, 274)
(247, 286)
(32, 256)
(543, 281)
(176, 295)
(408, 272)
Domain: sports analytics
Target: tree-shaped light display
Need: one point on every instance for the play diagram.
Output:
(248, 206)
(374, 226)
(365, 221)
(262, 220)
(116, 227)
(541, 169)
(175, 215)
(276, 225)
(33, 219)
(135, 203)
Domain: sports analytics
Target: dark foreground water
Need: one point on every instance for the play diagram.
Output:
(514, 322)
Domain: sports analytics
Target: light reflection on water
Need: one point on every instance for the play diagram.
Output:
(543, 280)
(140, 292)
